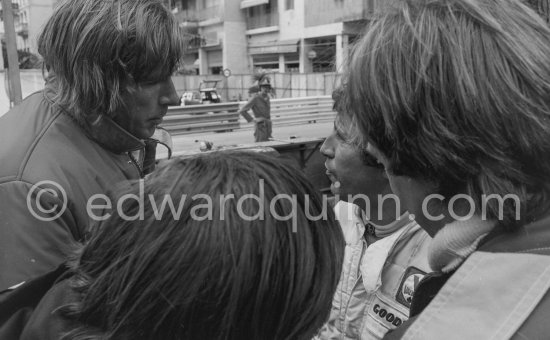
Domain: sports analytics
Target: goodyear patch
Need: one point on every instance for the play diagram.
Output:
(382, 317)
(408, 285)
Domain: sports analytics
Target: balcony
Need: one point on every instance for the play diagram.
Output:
(192, 17)
(329, 11)
(262, 20)
(194, 42)
(211, 13)
(187, 17)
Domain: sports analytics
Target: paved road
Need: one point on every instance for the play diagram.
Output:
(313, 166)
(187, 143)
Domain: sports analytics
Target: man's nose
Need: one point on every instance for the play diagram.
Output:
(169, 96)
(326, 149)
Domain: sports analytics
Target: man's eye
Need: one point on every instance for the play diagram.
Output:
(146, 82)
(341, 136)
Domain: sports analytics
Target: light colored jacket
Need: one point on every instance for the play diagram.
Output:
(378, 280)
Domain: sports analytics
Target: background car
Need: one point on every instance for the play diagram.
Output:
(191, 98)
(206, 94)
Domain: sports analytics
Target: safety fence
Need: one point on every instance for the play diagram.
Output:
(189, 119)
(225, 117)
(285, 85)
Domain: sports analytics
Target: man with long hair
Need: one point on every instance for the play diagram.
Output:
(452, 97)
(109, 66)
(385, 248)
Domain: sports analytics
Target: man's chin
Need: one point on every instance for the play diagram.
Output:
(145, 133)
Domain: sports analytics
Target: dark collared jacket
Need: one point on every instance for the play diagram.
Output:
(528, 316)
(42, 147)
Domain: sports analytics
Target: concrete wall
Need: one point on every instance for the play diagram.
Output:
(39, 13)
(235, 55)
(291, 22)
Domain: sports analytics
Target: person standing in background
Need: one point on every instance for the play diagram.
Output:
(261, 107)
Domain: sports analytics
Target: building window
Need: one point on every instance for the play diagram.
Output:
(289, 4)
(210, 3)
(292, 63)
(292, 67)
(323, 60)
(266, 62)
(180, 5)
(263, 16)
(216, 70)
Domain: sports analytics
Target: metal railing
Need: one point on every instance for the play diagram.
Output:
(196, 15)
(220, 117)
(212, 12)
(187, 16)
(296, 111)
(223, 117)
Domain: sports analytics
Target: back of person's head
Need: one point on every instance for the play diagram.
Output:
(214, 266)
(95, 51)
(542, 7)
(457, 92)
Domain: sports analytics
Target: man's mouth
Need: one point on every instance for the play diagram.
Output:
(331, 176)
(156, 120)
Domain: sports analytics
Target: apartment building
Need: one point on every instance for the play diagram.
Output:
(29, 17)
(215, 30)
(275, 35)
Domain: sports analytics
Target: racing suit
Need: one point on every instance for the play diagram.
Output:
(378, 278)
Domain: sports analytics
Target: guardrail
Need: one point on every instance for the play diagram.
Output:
(294, 111)
(224, 116)
(302, 110)
(189, 119)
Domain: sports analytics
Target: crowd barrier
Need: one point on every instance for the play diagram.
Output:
(202, 118)
(224, 116)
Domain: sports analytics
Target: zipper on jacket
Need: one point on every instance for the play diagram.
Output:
(136, 163)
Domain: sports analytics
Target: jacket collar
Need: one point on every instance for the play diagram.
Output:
(456, 241)
(531, 238)
(112, 136)
(103, 130)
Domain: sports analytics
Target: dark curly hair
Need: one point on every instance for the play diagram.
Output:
(221, 277)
